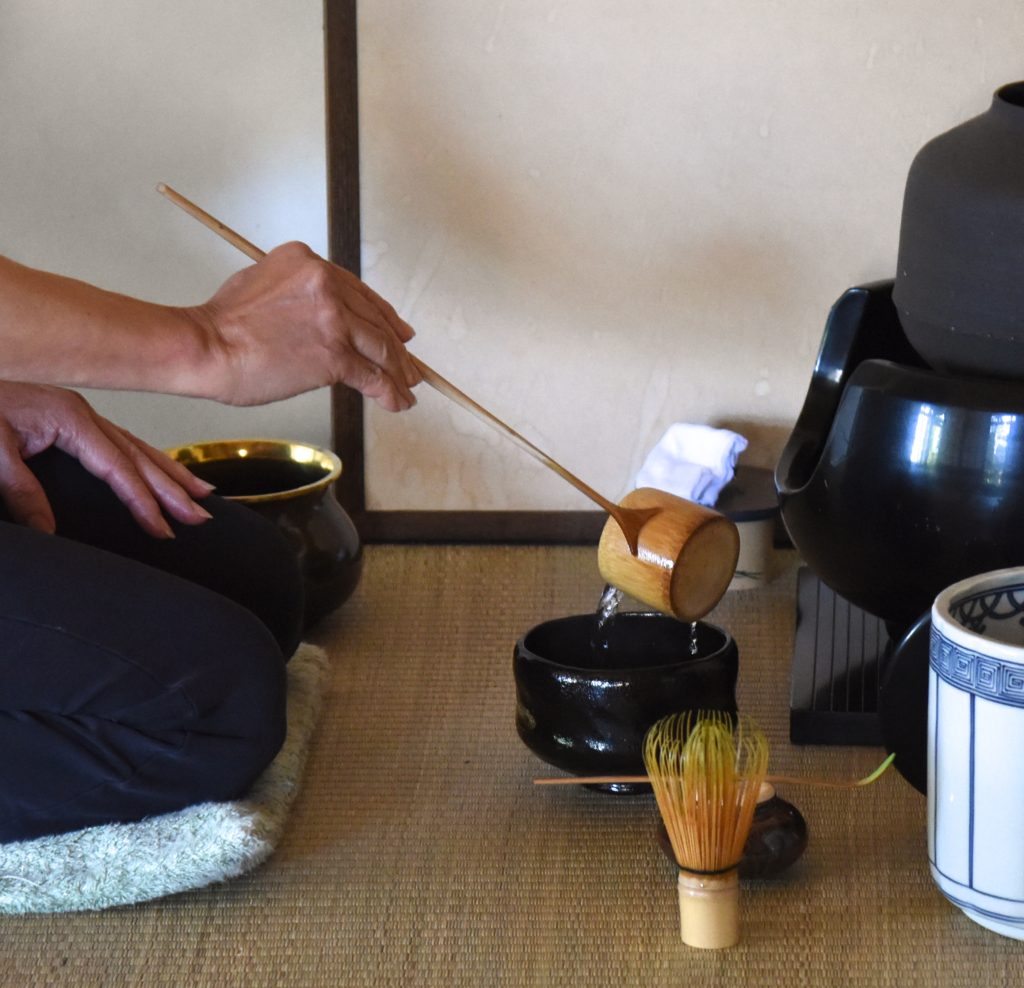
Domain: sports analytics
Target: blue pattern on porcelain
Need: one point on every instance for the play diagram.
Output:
(976, 610)
(975, 720)
(1001, 682)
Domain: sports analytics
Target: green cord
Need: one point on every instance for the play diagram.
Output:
(878, 772)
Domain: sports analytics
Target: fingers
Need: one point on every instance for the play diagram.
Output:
(185, 478)
(21, 491)
(172, 485)
(103, 459)
(145, 480)
(293, 322)
(398, 325)
(384, 349)
(379, 335)
(369, 380)
(372, 371)
(35, 417)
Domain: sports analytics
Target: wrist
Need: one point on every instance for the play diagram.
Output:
(197, 361)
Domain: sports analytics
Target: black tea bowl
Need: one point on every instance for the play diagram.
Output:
(586, 696)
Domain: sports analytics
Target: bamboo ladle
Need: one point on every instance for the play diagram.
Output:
(689, 552)
(630, 520)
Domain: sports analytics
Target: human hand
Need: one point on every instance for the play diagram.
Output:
(293, 322)
(35, 417)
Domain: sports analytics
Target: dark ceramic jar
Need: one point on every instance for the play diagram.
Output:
(292, 485)
(959, 283)
(585, 699)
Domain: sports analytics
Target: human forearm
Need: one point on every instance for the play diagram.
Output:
(57, 330)
(287, 324)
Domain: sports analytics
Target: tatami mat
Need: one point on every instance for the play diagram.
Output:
(419, 853)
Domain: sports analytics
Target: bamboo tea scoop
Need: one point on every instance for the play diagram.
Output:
(689, 552)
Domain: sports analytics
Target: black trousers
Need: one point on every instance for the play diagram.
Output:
(137, 675)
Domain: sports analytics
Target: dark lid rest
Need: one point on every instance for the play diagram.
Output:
(749, 496)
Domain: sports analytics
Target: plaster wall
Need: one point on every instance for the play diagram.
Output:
(224, 101)
(605, 217)
(600, 217)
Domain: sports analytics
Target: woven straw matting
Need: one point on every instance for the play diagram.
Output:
(419, 853)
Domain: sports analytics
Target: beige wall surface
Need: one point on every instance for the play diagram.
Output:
(99, 101)
(604, 217)
(601, 217)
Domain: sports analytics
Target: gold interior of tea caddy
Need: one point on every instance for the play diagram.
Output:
(283, 450)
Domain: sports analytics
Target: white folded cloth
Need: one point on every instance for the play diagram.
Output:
(692, 461)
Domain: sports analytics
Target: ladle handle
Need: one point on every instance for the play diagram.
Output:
(435, 380)
(445, 387)
(212, 223)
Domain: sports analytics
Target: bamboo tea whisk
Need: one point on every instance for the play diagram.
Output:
(706, 774)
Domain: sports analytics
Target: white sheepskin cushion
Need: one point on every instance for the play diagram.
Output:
(121, 863)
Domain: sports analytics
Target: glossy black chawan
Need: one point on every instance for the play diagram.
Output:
(898, 481)
(959, 289)
(585, 708)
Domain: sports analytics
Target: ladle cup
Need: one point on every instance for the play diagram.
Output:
(688, 553)
(686, 557)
